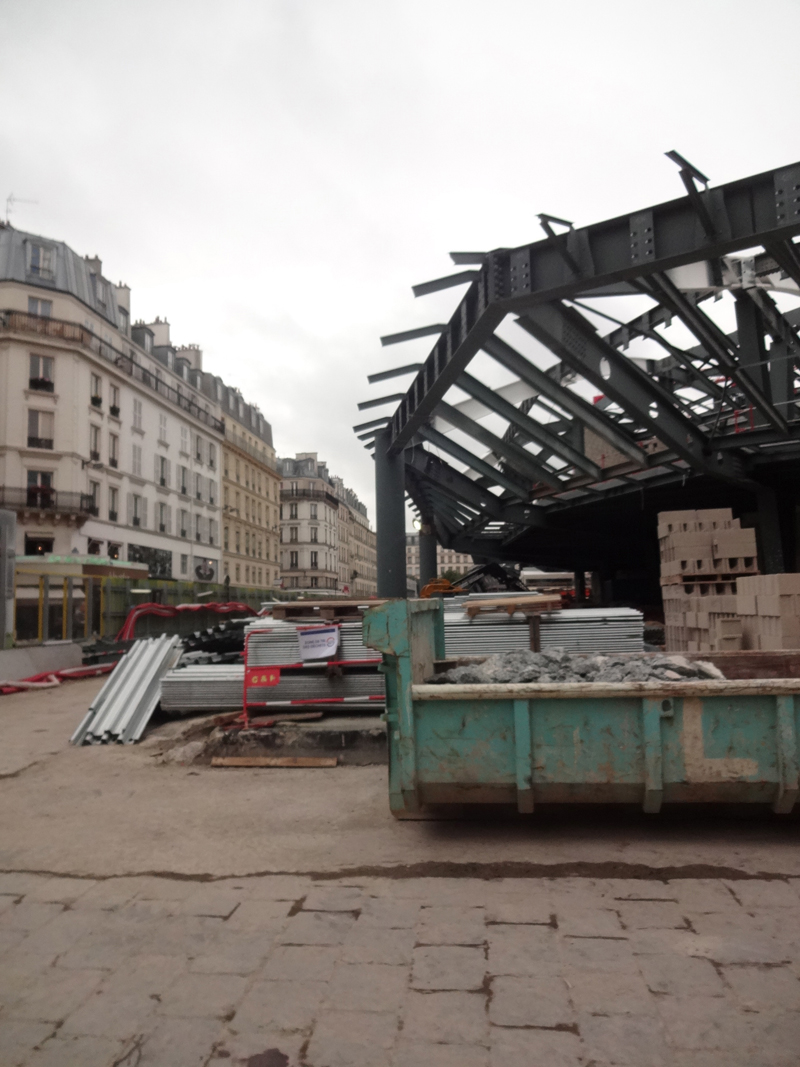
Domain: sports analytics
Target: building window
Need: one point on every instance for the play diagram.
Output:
(293, 560)
(314, 557)
(113, 450)
(314, 535)
(259, 549)
(113, 550)
(137, 510)
(96, 391)
(113, 408)
(238, 541)
(136, 460)
(185, 440)
(294, 488)
(184, 481)
(113, 503)
(162, 518)
(198, 487)
(137, 414)
(212, 532)
(293, 511)
(162, 428)
(314, 581)
(163, 470)
(184, 564)
(94, 443)
(247, 573)
(246, 543)
(238, 572)
(40, 429)
(313, 511)
(40, 261)
(184, 523)
(225, 536)
(198, 527)
(212, 456)
(198, 448)
(40, 489)
(238, 474)
(41, 374)
(292, 533)
(42, 308)
(212, 499)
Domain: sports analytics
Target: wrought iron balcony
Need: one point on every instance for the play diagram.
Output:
(40, 442)
(43, 385)
(43, 498)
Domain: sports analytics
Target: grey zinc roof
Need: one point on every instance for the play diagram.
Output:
(71, 273)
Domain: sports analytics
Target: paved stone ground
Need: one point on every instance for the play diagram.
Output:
(282, 971)
(175, 916)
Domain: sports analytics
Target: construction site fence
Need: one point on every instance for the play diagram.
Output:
(80, 608)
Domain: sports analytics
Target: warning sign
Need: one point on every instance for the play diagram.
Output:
(318, 642)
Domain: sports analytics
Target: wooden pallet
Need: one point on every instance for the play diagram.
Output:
(527, 603)
(327, 610)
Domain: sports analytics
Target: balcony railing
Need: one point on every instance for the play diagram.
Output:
(62, 330)
(43, 385)
(114, 411)
(239, 441)
(94, 456)
(136, 520)
(97, 401)
(310, 494)
(45, 499)
(113, 462)
(112, 516)
(40, 442)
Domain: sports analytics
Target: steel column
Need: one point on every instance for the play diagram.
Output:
(769, 531)
(428, 569)
(390, 518)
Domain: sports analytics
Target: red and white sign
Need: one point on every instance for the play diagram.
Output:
(318, 642)
(258, 676)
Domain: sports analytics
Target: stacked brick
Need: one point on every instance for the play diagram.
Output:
(704, 554)
(769, 607)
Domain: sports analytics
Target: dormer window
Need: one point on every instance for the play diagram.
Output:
(40, 261)
(99, 290)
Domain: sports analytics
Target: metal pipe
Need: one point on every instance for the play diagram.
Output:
(64, 609)
(70, 608)
(390, 518)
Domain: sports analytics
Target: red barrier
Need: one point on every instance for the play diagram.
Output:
(169, 611)
(49, 679)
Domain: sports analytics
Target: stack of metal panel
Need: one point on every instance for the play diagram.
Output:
(574, 629)
(274, 643)
(123, 707)
(220, 688)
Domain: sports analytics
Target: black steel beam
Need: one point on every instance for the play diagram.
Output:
(536, 431)
(521, 461)
(449, 282)
(574, 340)
(480, 466)
(570, 402)
(396, 372)
(745, 213)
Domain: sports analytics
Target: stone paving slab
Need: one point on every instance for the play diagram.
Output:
(283, 971)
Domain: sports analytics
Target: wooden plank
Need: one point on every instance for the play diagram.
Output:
(525, 602)
(274, 761)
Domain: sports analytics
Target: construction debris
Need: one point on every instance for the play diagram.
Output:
(557, 665)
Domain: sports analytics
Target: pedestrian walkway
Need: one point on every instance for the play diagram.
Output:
(284, 971)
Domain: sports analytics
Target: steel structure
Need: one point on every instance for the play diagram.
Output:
(694, 416)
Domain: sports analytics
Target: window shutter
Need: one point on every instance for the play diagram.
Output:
(169, 519)
(144, 511)
(155, 469)
(130, 509)
(169, 472)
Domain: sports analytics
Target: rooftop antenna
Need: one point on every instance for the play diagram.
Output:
(11, 200)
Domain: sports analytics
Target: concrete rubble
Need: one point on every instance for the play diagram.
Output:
(557, 665)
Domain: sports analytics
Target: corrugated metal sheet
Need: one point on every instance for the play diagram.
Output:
(124, 705)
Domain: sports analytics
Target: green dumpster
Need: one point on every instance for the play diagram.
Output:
(670, 742)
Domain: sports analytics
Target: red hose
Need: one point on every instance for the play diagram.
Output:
(47, 679)
(169, 611)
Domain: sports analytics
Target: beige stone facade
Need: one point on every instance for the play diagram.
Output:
(356, 545)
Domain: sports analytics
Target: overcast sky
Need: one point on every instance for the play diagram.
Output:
(273, 176)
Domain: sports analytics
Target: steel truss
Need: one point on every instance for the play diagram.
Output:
(716, 420)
